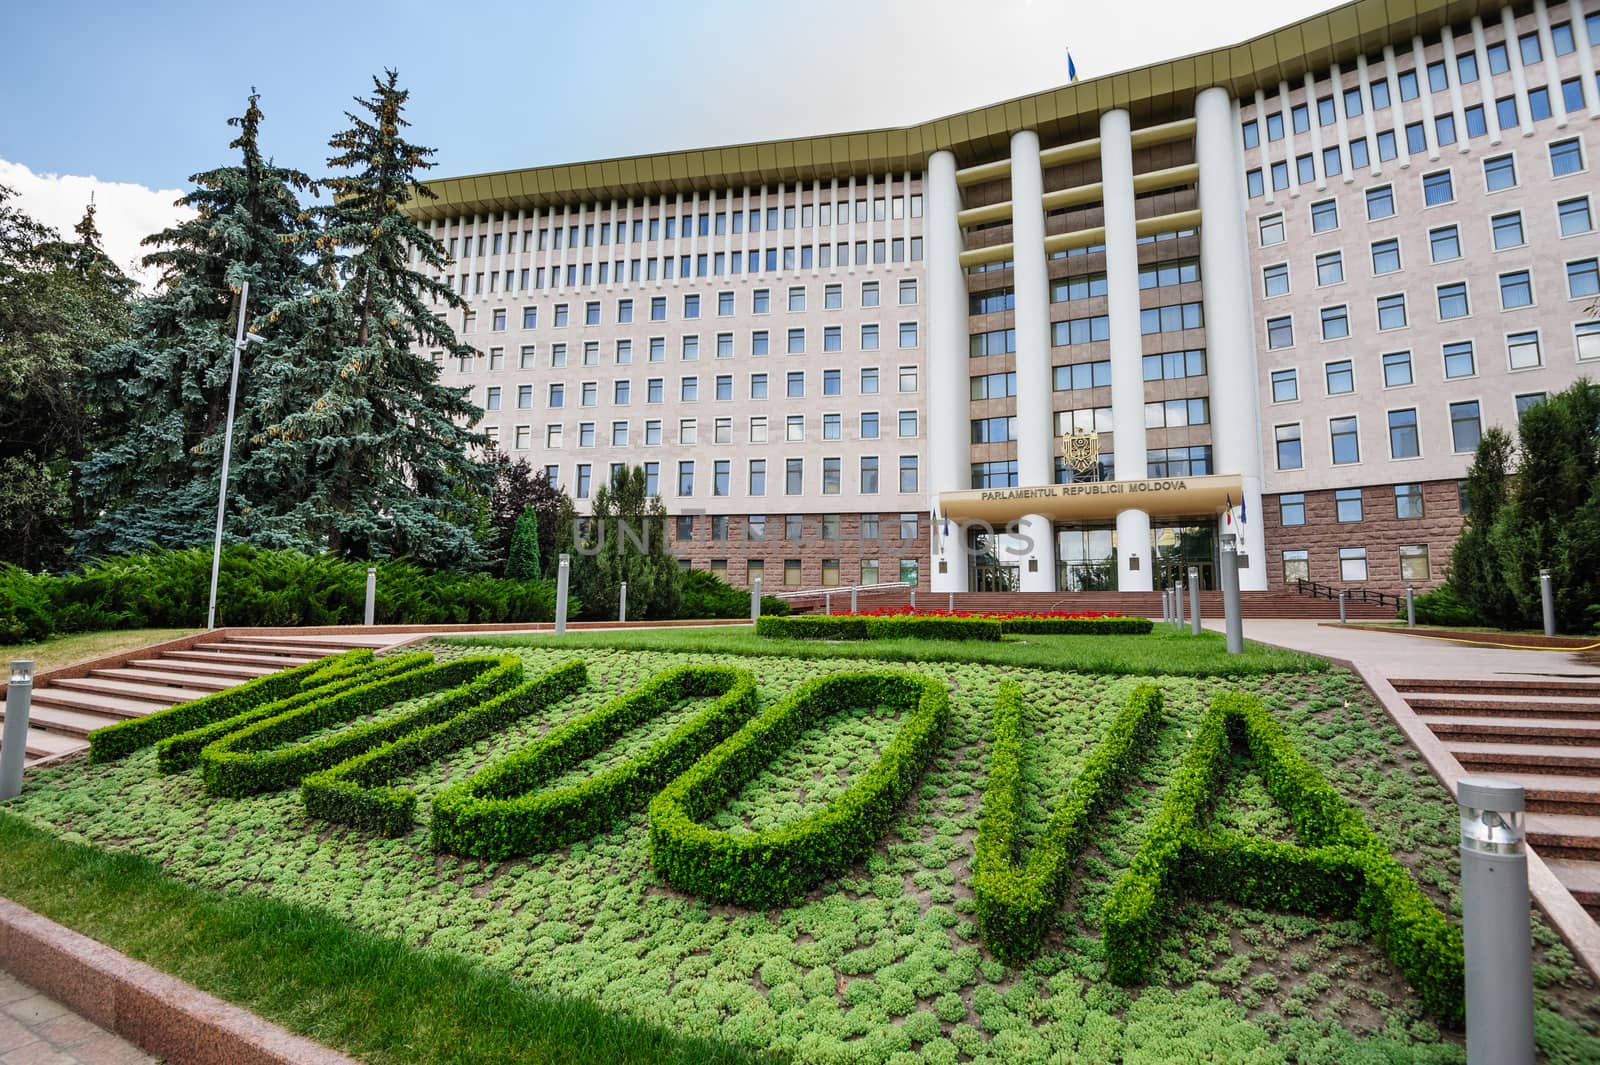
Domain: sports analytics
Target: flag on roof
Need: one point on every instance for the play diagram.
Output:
(1072, 68)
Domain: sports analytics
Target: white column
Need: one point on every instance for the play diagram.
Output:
(1316, 133)
(1035, 417)
(1480, 52)
(1287, 110)
(1552, 67)
(1341, 122)
(1419, 56)
(948, 430)
(1392, 73)
(1230, 337)
(1369, 123)
(1458, 108)
(1585, 57)
(1127, 344)
(1519, 78)
(1263, 145)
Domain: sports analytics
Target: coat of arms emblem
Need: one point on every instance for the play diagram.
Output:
(1082, 451)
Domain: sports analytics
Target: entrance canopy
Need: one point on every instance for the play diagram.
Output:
(1163, 497)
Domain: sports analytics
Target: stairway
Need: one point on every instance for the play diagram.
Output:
(1542, 734)
(1136, 604)
(66, 709)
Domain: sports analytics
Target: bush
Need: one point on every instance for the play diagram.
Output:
(26, 613)
(1014, 906)
(760, 869)
(522, 558)
(501, 811)
(893, 627)
(254, 760)
(702, 594)
(1044, 626)
(813, 627)
(125, 737)
(359, 792)
(1341, 868)
(1442, 607)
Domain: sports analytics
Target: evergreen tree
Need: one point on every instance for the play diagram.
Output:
(1475, 573)
(376, 449)
(522, 560)
(162, 395)
(625, 540)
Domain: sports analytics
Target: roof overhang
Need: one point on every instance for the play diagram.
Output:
(1159, 497)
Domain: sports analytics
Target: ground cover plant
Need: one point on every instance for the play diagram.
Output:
(884, 962)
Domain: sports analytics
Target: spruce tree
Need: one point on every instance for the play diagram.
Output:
(626, 540)
(522, 559)
(379, 452)
(162, 395)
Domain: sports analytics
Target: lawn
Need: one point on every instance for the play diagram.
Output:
(61, 651)
(351, 937)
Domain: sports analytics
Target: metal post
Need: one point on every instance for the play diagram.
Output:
(1177, 602)
(1411, 606)
(1232, 621)
(1163, 606)
(913, 600)
(1495, 925)
(1547, 599)
(622, 602)
(14, 741)
(951, 609)
(827, 603)
(563, 574)
(227, 451)
(755, 600)
(1194, 600)
(1341, 606)
(852, 598)
(372, 596)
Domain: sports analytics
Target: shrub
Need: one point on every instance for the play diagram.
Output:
(501, 811)
(125, 737)
(1103, 626)
(254, 760)
(1014, 906)
(895, 627)
(522, 558)
(358, 791)
(772, 867)
(813, 627)
(1341, 867)
(702, 594)
(1442, 607)
(26, 613)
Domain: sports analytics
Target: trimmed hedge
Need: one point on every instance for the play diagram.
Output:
(1076, 626)
(762, 869)
(125, 737)
(178, 753)
(502, 811)
(358, 792)
(1341, 868)
(857, 627)
(254, 760)
(1014, 906)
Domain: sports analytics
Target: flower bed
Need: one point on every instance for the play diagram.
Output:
(906, 623)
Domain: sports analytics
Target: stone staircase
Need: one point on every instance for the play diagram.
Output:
(70, 703)
(1137, 604)
(1542, 734)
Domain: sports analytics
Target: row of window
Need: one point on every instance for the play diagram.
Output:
(689, 388)
(756, 477)
(1405, 441)
(689, 347)
(1348, 505)
(829, 526)
(1413, 560)
(869, 427)
(871, 571)
(1193, 461)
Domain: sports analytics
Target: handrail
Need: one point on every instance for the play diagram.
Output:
(840, 589)
(1318, 590)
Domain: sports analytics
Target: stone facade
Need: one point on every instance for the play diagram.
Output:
(1379, 531)
(829, 548)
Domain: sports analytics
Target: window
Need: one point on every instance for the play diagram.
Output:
(1341, 377)
(562, 315)
(795, 384)
(524, 397)
(1507, 230)
(1574, 216)
(1285, 386)
(1531, 53)
(1347, 504)
(1583, 278)
(1167, 366)
(1345, 439)
(688, 431)
(1082, 375)
(1500, 172)
(1330, 268)
(1565, 158)
(797, 298)
(1572, 95)
(530, 317)
(794, 477)
(797, 342)
(869, 293)
(1275, 279)
(761, 301)
(1288, 444)
(1324, 216)
(908, 334)
(1271, 230)
(1403, 439)
(624, 354)
(1458, 359)
(1414, 562)
(1437, 189)
(1587, 335)
(908, 379)
(1407, 80)
(869, 380)
(686, 478)
(908, 423)
(908, 473)
(1292, 508)
(1516, 289)
(1392, 311)
(1352, 563)
(1416, 138)
(558, 395)
(1561, 38)
(1280, 176)
(492, 398)
(1527, 401)
(1408, 501)
(689, 389)
(1254, 186)
(830, 477)
(1335, 322)
(691, 348)
(1385, 256)
(1444, 243)
(1280, 332)
(1453, 301)
(1522, 350)
(1465, 426)
(1174, 413)
(1380, 202)
(1397, 369)
(652, 437)
(908, 291)
(1296, 566)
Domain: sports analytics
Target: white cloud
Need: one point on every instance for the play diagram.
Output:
(126, 213)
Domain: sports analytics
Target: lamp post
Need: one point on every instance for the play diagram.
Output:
(14, 740)
(1194, 600)
(1232, 622)
(240, 339)
(755, 600)
(563, 574)
(1495, 924)
(1547, 602)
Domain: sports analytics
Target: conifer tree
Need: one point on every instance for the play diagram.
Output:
(378, 450)
(162, 394)
(625, 540)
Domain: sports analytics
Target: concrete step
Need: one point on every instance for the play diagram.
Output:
(112, 706)
(1549, 706)
(272, 663)
(1582, 878)
(131, 689)
(196, 680)
(68, 722)
(340, 641)
(1582, 688)
(1565, 759)
(1565, 835)
(202, 668)
(1555, 794)
(1513, 729)
(266, 648)
(43, 744)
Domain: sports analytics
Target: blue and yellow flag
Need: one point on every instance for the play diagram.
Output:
(1072, 68)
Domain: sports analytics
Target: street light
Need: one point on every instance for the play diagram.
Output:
(1494, 911)
(14, 740)
(241, 338)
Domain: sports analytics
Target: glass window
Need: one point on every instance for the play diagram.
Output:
(1587, 337)
(1352, 563)
(1296, 566)
(1280, 332)
(1539, 104)
(908, 473)
(1444, 243)
(1561, 39)
(1458, 359)
(1499, 173)
(1335, 322)
(1386, 256)
(1438, 77)
(1345, 439)
(1444, 129)
(1531, 53)
(1275, 279)
(1324, 216)
(1516, 290)
(1397, 369)
(1380, 202)
(1465, 426)
(908, 334)
(1574, 215)
(1407, 80)
(1287, 438)
(1341, 377)
(1414, 562)
(1330, 268)
(1476, 126)
(1522, 350)
(1437, 188)
(1392, 311)
(1507, 230)
(1252, 134)
(1467, 67)
(1254, 186)
(1566, 157)
(1403, 440)
(1292, 508)
(1572, 95)
(1285, 386)
(1271, 227)
(1526, 402)
(1583, 278)
(1453, 300)
(1347, 504)
(1416, 138)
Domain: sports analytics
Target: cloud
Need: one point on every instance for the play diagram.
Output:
(126, 213)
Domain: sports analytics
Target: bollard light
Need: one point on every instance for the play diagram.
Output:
(1194, 600)
(1495, 922)
(622, 602)
(1341, 606)
(1547, 601)
(372, 594)
(14, 740)
(1233, 620)
(755, 600)
(563, 575)
(1177, 603)
(1411, 606)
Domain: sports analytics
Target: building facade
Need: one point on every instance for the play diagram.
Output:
(1287, 284)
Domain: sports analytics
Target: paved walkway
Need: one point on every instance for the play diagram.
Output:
(35, 1030)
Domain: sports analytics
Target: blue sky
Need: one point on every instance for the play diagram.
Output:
(136, 95)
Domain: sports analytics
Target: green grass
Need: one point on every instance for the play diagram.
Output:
(371, 996)
(61, 651)
(1163, 652)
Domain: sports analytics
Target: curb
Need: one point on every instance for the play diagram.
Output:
(156, 1012)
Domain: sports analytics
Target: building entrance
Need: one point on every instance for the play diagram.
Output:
(1086, 558)
(1176, 547)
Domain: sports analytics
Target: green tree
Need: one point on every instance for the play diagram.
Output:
(379, 454)
(522, 559)
(161, 396)
(624, 540)
(1475, 572)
